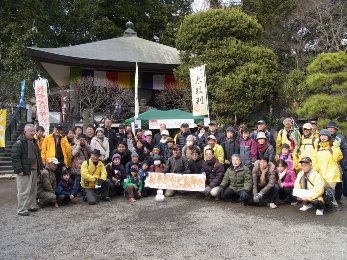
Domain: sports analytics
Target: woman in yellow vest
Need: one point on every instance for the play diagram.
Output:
(308, 143)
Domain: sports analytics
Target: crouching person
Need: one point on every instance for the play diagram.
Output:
(237, 182)
(265, 189)
(93, 179)
(214, 171)
(133, 185)
(310, 179)
(47, 184)
(65, 190)
(115, 175)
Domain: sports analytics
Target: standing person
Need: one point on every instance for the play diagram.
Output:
(40, 136)
(93, 178)
(78, 131)
(308, 142)
(262, 127)
(309, 179)
(158, 136)
(247, 148)
(201, 136)
(120, 135)
(189, 147)
(47, 184)
(288, 135)
(212, 130)
(149, 142)
(89, 133)
(70, 140)
(265, 188)
(214, 171)
(81, 152)
(163, 144)
(229, 145)
(123, 152)
(237, 182)
(130, 139)
(110, 134)
(333, 129)
(167, 152)
(55, 145)
(217, 149)
(100, 142)
(264, 148)
(181, 137)
(327, 161)
(26, 163)
(314, 129)
(176, 164)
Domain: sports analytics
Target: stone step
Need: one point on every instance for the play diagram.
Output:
(6, 168)
(5, 154)
(6, 162)
(6, 172)
(5, 158)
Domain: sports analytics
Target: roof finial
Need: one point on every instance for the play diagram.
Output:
(129, 30)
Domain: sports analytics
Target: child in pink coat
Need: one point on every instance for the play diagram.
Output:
(286, 179)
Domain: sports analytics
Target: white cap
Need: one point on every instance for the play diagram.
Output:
(165, 132)
(307, 126)
(53, 160)
(211, 137)
(261, 135)
(148, 132)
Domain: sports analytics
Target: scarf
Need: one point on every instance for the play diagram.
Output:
(71, 141)
(282, 174)
(100, 138)
(263, 147)
(32, 156)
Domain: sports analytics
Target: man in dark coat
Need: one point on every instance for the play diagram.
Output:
(27, 164)
(111, 135)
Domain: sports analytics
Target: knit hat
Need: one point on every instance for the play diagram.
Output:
(134, 154)
(325, 132)
(156, 147)
(116, 155)
(99, 129)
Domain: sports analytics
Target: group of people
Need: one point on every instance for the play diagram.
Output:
(241, 165)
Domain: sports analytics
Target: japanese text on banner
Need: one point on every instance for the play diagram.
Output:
(199, 91)
(42, 103)
(176, 181)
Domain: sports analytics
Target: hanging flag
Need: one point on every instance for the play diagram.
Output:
(199, 91)
(137, 110)
(2, 127)
(22, 89)
(42, 110)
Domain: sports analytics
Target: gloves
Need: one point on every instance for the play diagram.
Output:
(207, 190)
(257, 197)
(204, 173)
(243, 195)
(260, 194)
(98, 183)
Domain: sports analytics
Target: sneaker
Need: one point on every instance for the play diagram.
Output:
(294, 203)
(306, 207)
(131, 200)
(319, 212)
(105, 199)
(24, 213)
(273, 205)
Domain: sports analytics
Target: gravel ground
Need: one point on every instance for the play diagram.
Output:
(182, 227)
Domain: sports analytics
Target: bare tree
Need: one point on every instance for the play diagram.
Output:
(174, 97)
(103, 95)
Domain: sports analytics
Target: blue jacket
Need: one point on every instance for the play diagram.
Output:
(66, 188)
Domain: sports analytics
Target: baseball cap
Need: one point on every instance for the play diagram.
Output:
(148, 132)
(53, 160)
(165, 132)
(307, 126)
(261, 122)
(305, 159)
(211, 137)
(58, 127)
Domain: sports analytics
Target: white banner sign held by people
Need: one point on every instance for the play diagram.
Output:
(199, 91)
(176, 181)
(40, 86)
(170, 123)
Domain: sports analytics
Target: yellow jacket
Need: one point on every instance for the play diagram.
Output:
(317, 188)
(39, 141)
(308, 147)
(90, 172)
(69, 151)
(327, 161)
(282, 139)
(48, 150)
(218, 152)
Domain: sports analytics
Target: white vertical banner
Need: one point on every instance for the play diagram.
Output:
(199, 91)
(137, 92)
(40, 86)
